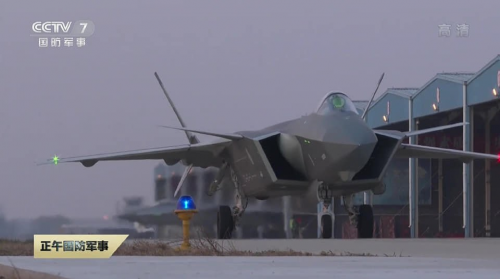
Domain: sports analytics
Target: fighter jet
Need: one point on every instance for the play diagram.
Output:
(330, 152)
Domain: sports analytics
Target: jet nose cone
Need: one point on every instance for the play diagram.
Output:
(349, 130)
(363, 136)
(353, 143)
(346, 145)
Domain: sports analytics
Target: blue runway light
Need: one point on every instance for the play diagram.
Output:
(186, 203)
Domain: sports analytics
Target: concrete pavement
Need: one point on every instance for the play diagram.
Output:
(263, 267)
(432, 258)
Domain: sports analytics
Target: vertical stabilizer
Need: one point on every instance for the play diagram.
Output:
(191, 138)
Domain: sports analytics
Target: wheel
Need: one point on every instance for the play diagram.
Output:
(365, 221)
(225, 223)
(326, 226)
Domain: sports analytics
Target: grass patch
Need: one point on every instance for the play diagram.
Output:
(16, 247)
(205, 246)
(200, 246)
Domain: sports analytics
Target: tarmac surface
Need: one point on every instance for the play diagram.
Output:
(432, 258)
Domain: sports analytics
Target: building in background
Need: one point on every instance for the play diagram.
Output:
(111, 224)
(262, 219)
(446, 98)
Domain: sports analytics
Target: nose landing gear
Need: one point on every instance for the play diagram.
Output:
(326, 226)
(325, 196)
(361, 217)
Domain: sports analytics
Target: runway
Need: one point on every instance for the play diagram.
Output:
(462, 258)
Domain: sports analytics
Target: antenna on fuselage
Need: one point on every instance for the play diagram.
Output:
(193, 139)
(373, 96)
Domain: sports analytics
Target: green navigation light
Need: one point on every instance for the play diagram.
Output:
(55, 159)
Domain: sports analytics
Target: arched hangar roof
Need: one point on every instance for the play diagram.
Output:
(444, 90)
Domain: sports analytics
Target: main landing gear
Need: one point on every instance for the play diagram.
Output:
(225, 222)
(361, 217)
(228, 219)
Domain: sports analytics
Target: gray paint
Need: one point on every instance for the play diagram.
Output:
(223, 61)
(332, 145)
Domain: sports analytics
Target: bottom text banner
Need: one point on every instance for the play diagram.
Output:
(76, 246)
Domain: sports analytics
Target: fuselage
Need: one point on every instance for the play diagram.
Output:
(330, 145)
(331, 148)
(327, 148)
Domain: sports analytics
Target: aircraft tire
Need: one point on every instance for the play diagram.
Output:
(326, 226)
(225, 222)
(365, 221)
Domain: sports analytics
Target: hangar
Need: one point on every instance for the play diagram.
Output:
(440, 197)
(433, 197)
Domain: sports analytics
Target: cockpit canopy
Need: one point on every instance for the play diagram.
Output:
(336, 101)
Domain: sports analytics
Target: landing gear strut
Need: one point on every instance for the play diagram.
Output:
(216, 185)
(228, 219)
(361, 218)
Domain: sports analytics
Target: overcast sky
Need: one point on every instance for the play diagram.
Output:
(229, 65)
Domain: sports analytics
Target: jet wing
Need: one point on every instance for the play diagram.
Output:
(397, 134)
(419, 151)
(200, 155)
